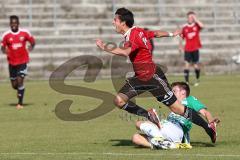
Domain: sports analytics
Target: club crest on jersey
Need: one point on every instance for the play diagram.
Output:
(11, 39)
(21, 38)
(195, 28)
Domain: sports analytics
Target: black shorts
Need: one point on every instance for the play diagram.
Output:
(18, 70)
(158, 86)
(192, 57)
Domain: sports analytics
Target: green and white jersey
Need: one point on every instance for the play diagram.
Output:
(190, 102)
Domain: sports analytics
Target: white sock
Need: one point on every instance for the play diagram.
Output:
(150, 130)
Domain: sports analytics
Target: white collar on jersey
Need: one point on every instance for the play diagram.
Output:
(127, 34)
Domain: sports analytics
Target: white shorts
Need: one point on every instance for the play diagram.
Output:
(170, 131)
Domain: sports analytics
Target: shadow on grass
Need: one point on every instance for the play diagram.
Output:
(126, 142)
(202, 144)
(24, 104)
(121, 142)
(230, 142)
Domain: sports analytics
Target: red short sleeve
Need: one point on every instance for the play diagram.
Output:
(30, 38)
(149, 34)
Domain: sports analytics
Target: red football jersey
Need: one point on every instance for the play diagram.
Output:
(191, 35)
(141, 57)
(15, 44)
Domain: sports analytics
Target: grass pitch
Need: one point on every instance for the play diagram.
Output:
(37, 133)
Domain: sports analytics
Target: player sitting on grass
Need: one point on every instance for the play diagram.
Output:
(182, 92)
(176, 128)
(169, 136)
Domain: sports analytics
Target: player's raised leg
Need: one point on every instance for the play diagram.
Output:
(128, 91)
(122, 102)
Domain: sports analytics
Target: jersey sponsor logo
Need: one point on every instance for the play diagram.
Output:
(11, 39)
(15, 46)
(191, 35)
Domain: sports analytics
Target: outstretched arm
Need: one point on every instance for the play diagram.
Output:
(159, 34)
(116, 50)
(208, 116)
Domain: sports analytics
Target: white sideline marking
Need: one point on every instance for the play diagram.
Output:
(123, 154)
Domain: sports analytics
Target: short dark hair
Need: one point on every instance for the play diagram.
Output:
(14, 17)
(182, 85)
(190, 12)
(126, 16)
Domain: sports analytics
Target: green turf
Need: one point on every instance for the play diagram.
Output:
(36, 133)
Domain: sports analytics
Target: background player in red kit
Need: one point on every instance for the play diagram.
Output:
(190, 33)
(147, 77)
(14, 46)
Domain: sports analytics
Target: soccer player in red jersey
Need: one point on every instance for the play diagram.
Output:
(14, 46)
(190, 33)
(148, 77)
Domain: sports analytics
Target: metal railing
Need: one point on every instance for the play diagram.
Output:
(30, 13)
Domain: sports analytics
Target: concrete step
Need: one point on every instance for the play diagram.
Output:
(107, 22)
(90, 38)
(123, 1)
(108, 29)
(110, 32)
(159, 46)
(101, 7)
(79, 14)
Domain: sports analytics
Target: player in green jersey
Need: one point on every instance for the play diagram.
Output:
(182, 92)
(175, 129)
